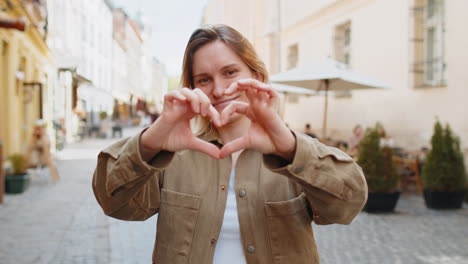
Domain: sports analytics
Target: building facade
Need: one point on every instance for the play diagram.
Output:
(81, 40)
(138, 77)
(417, 47)
(26, 72)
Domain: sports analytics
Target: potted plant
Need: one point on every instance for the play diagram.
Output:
(444, 174)
(380, 172)
(18, 180)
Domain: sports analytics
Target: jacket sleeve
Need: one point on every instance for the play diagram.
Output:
(334, 184)
(125, 186)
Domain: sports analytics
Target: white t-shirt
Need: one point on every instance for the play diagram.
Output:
(229, 246)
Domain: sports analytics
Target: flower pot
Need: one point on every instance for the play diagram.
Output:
(444, 200)
(381, 202)
(16, 183)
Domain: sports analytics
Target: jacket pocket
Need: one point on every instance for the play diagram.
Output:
(290, 231)
(176, 225)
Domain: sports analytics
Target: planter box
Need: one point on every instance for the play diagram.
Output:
(16, 183)
(444, 200)
(381, 202)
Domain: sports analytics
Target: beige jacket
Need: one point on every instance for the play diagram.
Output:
(276, 201)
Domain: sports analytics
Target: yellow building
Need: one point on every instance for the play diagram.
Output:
(26, 72)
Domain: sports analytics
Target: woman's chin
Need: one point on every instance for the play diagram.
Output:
(235, 118)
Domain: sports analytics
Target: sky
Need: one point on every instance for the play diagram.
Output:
(172, 23)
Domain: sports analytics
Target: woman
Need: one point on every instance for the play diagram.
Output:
(245, 188)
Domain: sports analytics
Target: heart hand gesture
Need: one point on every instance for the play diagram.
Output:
(266, 132)
(172, 131)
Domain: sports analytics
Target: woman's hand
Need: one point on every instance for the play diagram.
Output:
(267, 132)
(172, 131)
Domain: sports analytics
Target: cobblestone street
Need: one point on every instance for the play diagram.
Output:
(63, 223)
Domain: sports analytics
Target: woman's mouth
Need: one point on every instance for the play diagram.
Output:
(224, 103)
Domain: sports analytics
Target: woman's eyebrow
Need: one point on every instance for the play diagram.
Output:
(228, 66)
(199, 75)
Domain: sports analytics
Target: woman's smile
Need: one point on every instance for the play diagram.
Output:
(225, 102)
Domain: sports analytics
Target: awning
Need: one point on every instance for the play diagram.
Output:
(96, 99)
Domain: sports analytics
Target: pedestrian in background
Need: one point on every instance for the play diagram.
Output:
(355, 140)
(308, 131)
(243, 187)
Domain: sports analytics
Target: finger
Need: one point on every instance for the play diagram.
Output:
(234, 107)
(262, 98)
(233, 88)
(176, 95)
(233, 146)
(255, 84)
(204, 101)
(192, 98)
(204, 147)
(249, 85)
(214, 116)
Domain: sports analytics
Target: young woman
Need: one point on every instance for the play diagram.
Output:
(244, 188)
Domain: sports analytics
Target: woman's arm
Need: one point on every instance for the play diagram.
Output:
(335, 185)
(125, 186)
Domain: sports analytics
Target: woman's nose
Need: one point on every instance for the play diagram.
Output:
(219, 88)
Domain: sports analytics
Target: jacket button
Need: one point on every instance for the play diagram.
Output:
(242, 193)
(213, 241)
(251, 249)
(223, 187)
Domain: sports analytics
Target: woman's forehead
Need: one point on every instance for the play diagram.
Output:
(212, 56)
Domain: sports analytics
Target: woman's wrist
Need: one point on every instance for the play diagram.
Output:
(290, 151)
(147, 151)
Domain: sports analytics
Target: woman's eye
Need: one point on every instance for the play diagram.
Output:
(230, 72)
(203, 81)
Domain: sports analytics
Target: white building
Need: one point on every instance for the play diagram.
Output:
(137, 76)
(80, 36)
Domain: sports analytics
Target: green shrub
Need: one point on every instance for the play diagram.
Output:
(444, 169)
(377, 163)
(19, 163)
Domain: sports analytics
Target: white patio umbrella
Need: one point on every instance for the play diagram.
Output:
(286, 90)
(328, 75)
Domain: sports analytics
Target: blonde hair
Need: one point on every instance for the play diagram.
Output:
(233, 39)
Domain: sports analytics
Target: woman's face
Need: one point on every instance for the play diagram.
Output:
(215, 67)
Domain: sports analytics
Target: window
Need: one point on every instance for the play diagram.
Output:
(434, 59)
(343, 43)
(293, 56)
